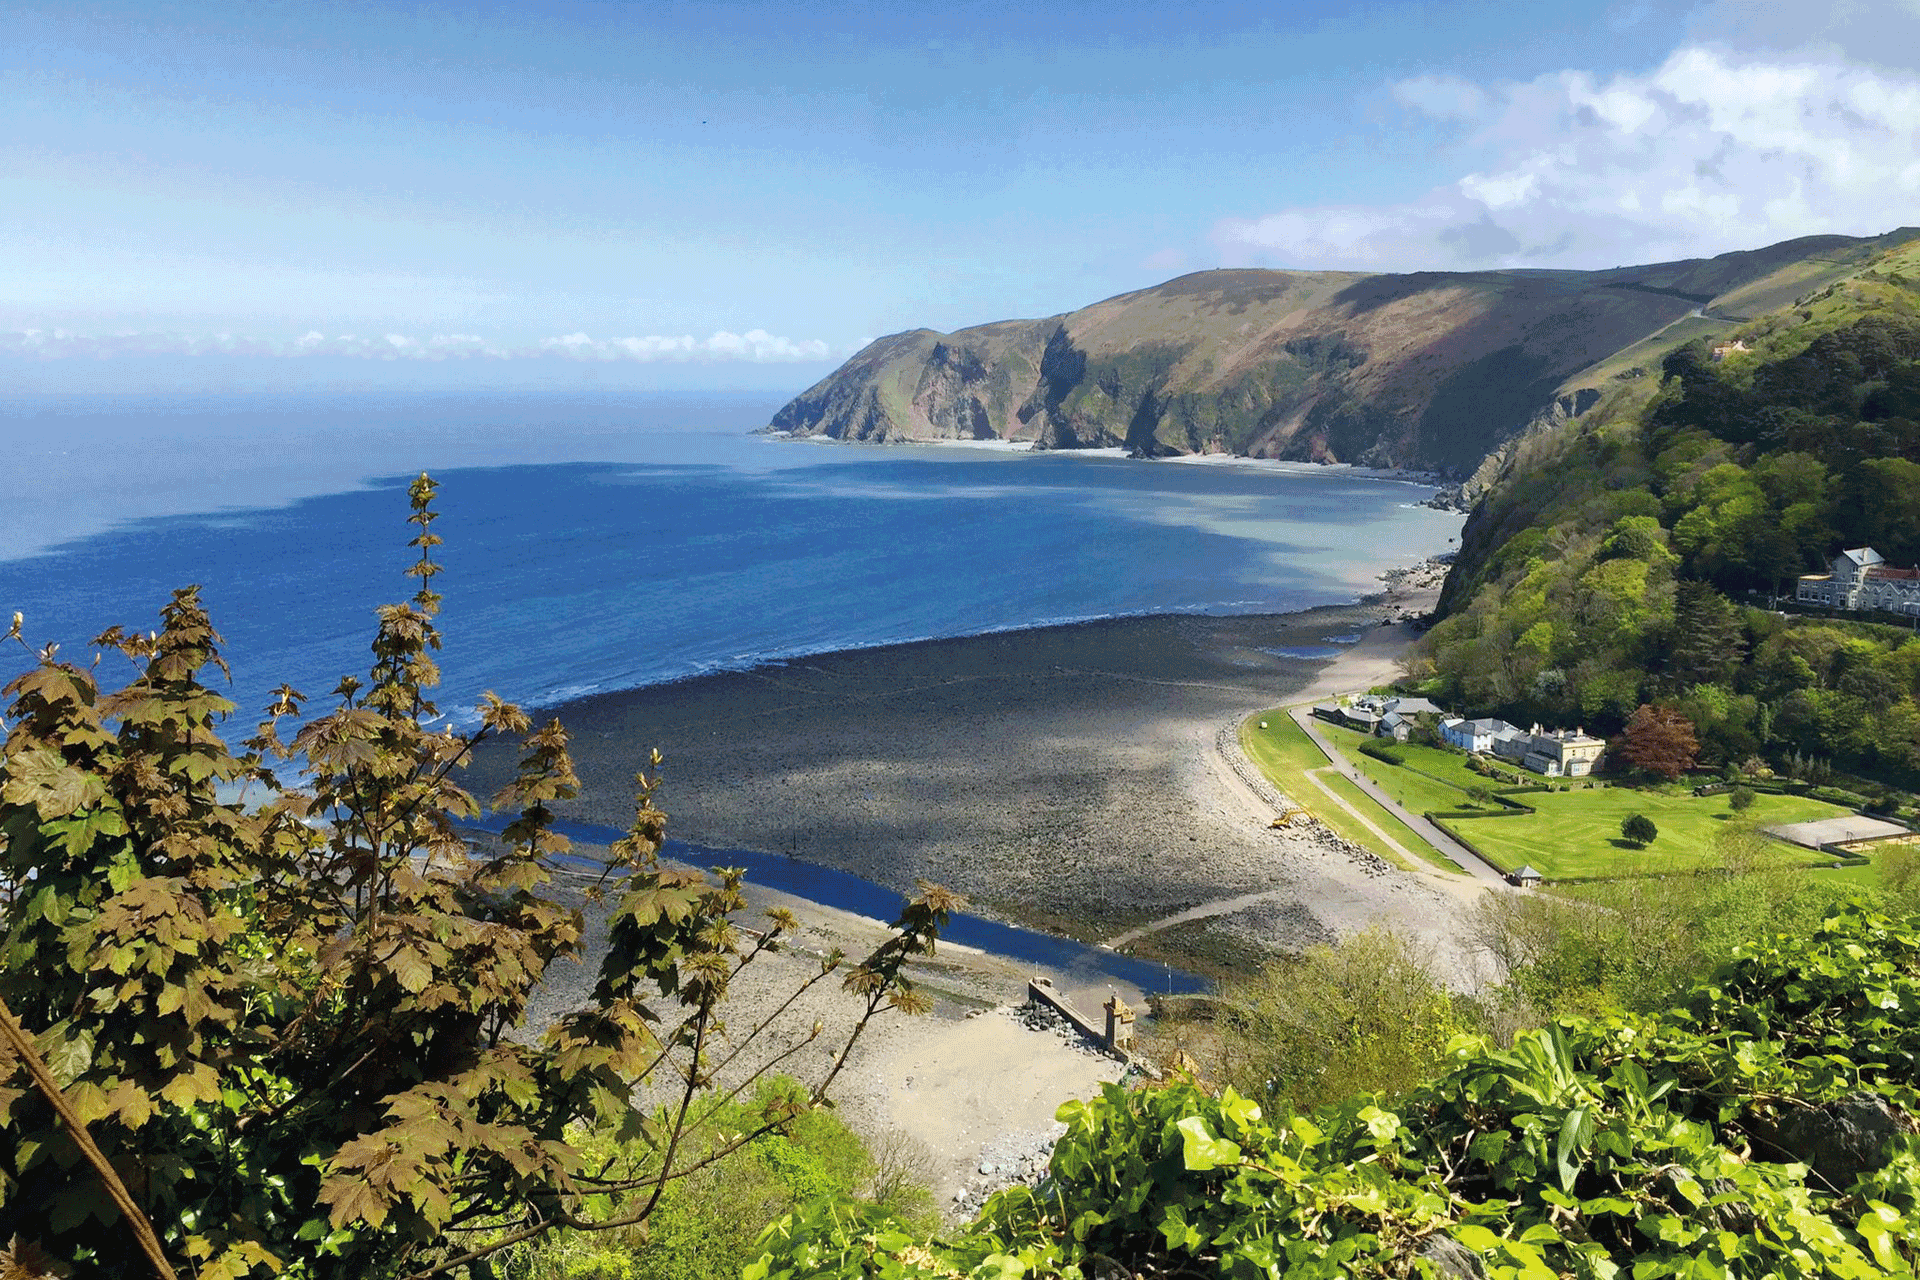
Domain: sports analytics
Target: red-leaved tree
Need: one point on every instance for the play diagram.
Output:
(1660, 741)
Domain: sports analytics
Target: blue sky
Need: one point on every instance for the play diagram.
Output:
(740, 195)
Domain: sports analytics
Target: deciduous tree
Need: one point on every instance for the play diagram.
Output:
(290, 1018)
(1660, 741)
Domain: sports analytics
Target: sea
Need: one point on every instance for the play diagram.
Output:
(597, 542)
(603, 542)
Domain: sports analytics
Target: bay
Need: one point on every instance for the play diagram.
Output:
(606, 542)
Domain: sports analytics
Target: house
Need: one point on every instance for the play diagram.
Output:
(1525, 877)
(1563, 753)
(1724, 349)
(1474, 735)
(1557, 753)
(1861, 578)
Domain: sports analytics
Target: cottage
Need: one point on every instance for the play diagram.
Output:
(1475, 735)
(1525, 877)
(1861, 578)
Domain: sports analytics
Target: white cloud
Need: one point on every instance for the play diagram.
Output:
(756, 345)
(1713, 150)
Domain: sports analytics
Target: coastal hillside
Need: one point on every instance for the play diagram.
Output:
(1648, 553)
(1431, 370)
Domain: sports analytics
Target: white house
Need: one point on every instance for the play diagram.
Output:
(1475, 735)
(1557, 753)
(1861, 578)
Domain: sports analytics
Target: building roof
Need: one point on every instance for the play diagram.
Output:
(1888, 571)
(1527, 873)
(1864, 556)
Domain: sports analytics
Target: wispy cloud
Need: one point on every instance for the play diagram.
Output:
(1712, 150)
(755, 346)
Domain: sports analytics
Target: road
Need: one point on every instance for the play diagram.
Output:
(1469, 861)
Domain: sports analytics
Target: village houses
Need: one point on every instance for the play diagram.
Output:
(1862, 579)
(1555, 753)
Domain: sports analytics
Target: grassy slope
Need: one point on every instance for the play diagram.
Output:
(1285, 755)
(1577, 833)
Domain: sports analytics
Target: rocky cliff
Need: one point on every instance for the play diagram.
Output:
(1431, 370)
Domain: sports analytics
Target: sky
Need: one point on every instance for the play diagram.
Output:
(742, 195)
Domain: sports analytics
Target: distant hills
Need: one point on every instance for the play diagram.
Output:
(1427, 371)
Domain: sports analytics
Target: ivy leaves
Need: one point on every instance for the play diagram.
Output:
(1595, 1148)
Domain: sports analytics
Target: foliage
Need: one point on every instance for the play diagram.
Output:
(1659, 741)
(1683, 1144)
(1389, 752)
(1639, 828)
(1368, 1014)
(1740, 799)
(290, 1017)
(706, 1225)
(1600, 573)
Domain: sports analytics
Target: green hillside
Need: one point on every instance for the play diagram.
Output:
(1624, 559)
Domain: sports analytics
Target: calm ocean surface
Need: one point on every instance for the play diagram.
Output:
(606, 542)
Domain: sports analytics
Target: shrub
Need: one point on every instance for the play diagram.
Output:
(1740, 799)
(1639, 828)
(1380, 749)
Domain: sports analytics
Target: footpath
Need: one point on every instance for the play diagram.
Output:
(1468, 860)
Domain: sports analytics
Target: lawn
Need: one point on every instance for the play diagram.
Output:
(1284, 754)
(1577, 833)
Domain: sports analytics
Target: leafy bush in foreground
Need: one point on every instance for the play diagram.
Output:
(248, 1028)
(1762, 1128)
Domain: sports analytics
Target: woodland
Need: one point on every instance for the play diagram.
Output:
(1647, 556)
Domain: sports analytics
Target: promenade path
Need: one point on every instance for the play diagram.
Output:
(1469, 861)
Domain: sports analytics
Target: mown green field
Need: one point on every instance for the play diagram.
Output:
(1577, 833)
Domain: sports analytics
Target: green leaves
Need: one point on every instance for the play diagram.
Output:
(1200, 1151)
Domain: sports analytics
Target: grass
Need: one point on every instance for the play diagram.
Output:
(1285, 754)
(1577, 833)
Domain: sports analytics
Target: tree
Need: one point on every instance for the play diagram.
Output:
(1708, 640)
(1660, 741)
(1639, 828)
(259, 1027)
(1740, 799)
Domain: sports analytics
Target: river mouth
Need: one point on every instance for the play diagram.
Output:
(845, 891)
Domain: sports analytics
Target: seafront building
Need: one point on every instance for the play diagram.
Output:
(1555, 753)
(1861, 579)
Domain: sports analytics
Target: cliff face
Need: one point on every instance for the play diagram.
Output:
(1431, 370)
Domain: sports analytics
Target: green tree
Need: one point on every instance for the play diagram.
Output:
(1708, 639)
(260, 1027)
(1639, 828)
(1740, 799)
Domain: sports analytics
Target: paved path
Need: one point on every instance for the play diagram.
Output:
(1469, 861)
(1412, 860)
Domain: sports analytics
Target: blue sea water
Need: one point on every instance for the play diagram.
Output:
(607, 542)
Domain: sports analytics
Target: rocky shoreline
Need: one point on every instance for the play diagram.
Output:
(1086, 778)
